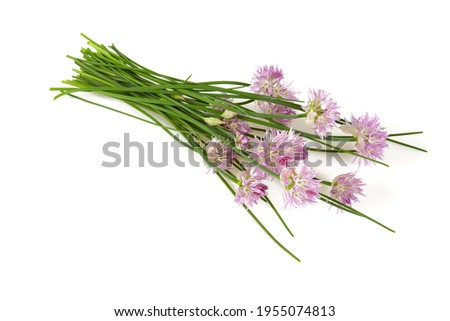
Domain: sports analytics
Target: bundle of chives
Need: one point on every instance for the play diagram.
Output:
(218, 120)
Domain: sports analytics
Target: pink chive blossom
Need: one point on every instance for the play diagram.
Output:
(236, 125)
(370, 136)
(269, 81)
(280, 149)
(220, 154)
(271, 108)
(241, 141)
(346, 187)
(250, 188)
(321, 112)
(300, 186)
(265, 78)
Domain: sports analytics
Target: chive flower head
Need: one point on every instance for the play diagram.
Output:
(251, 189)
(321, 112)
(370, 136)
(346, 187)
(300, 186)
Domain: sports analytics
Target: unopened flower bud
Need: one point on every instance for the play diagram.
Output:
(228, 114)
(213, 121)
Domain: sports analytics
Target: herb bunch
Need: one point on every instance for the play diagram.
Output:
(242, 131)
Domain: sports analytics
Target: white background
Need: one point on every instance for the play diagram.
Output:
(77, 239)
